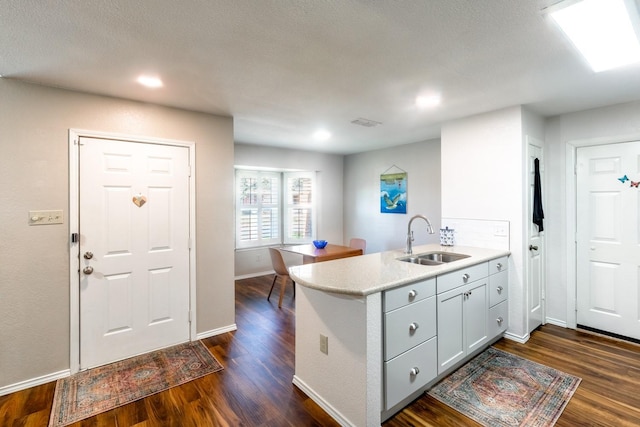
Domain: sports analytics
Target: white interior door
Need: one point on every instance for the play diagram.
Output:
(607, 248)
(535, 293)
(134, 248)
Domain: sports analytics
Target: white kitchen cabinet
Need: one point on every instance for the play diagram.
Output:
(410, 371)
(498, 319)
(410, 343)
(462, 320)
(359, 307)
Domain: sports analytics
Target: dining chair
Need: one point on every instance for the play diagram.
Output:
(358, 244)
(281, 271)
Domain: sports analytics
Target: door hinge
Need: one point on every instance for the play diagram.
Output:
(75, 237)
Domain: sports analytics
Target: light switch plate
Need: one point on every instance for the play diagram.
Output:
(45, 217)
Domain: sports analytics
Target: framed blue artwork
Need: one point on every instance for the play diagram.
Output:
(393, 193)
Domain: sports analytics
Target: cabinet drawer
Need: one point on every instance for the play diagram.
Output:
(499, 264)
(461, 277)
(409, 326)
(407, 294)
(498, 319)
(498, 287)
(410, 371)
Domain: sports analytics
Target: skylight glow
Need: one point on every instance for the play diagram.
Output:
(602, 32)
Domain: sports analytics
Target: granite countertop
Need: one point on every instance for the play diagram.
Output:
(371, 273)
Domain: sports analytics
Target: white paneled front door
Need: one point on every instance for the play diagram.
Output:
(134, 248)
(607, 249)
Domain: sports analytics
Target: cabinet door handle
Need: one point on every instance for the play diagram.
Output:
(415, 371)
(499, 320)
(499, 266)
(413, 326)
(465, 277)
(499, 289)
(412, 294)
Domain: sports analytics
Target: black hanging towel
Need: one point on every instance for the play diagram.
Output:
(538, 213)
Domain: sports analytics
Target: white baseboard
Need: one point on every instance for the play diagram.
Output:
(322, 403)
(517, 338)
(218, 331)
(556, 322)
(250, 275)
(23, 385)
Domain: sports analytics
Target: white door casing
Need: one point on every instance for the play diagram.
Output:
(135, 215)
(535, 244)
(607, 238)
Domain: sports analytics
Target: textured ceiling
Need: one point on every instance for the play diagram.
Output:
(283, 68)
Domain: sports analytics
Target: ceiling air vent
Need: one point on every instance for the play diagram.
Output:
(365, 122)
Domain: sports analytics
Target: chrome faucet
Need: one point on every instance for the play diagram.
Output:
(409, 249)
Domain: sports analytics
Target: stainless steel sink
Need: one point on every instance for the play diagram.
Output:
(433, 258)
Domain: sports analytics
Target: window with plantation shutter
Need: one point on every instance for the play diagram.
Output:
(274, 208)
(257, 208)
(299, 206)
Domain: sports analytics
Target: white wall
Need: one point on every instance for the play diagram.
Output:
(362, 217)
(329, 185)
(610, 123)
(482, 178)
(34, 172)
(347, 381)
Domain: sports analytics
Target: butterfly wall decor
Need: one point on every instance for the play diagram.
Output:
(631, 183)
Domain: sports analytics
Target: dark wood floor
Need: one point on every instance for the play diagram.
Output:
(255, 387)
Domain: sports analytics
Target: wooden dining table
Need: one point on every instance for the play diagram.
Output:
(311, 254)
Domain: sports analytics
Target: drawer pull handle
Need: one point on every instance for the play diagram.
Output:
(499, 320)
(412, 294)
(413, 327)
(465, 277)
(499, 289)
(499, 265)
(415, 371)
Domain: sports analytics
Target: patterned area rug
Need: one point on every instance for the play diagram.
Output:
(500, 389)
(101, 389)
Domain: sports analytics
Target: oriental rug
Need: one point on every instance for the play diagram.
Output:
(101, 389)
(499, 389)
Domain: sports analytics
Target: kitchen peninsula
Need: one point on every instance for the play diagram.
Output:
(351, 359)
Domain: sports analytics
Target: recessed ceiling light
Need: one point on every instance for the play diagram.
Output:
(427, 101)
(150, 81)
(601, 30)
(322, 135)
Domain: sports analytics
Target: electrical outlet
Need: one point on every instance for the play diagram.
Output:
(500, 230)
(324, 344)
